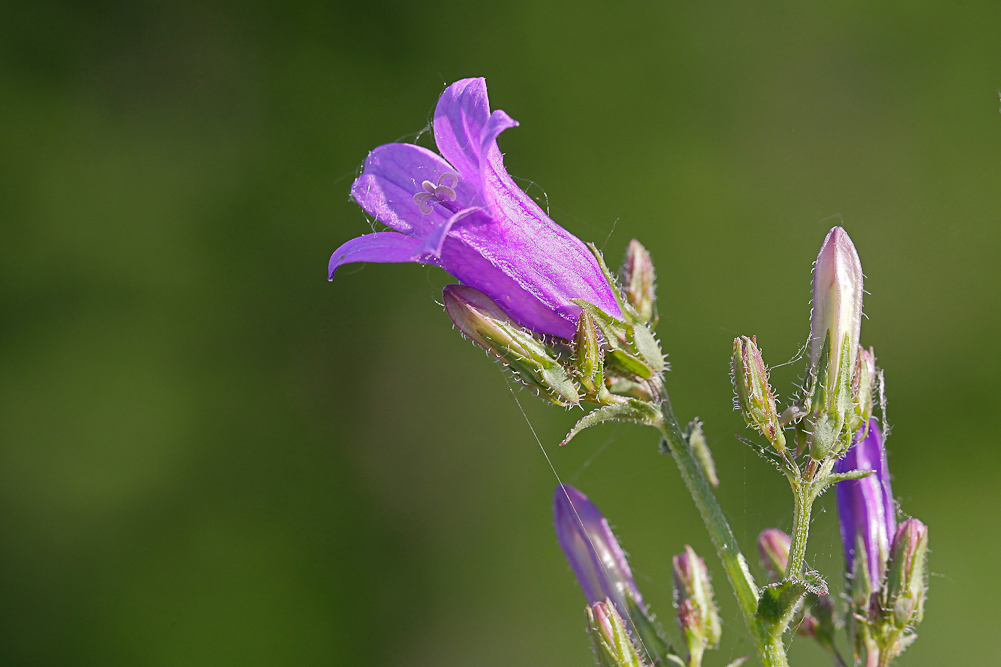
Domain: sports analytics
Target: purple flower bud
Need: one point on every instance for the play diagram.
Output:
(905, 581)
(463, 212)
(866, 509)
(593, 552)
(774, 545)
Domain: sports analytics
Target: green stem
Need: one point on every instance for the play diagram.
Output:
(770, 649)
(803, 497)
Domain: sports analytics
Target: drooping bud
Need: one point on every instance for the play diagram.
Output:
(588, 357)
(638, 278)
(774, 545)
(834, 341)
(866, 509)
(612, 644)
(480, 318)
(905, 581)
(754, 395)
(863, 385)
(594, 553)
(697, 613)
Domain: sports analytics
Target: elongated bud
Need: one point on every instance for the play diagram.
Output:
(863, 385)
(612, 644)
(753, 393)
(905, 581)
(594, 553)
(774, 545)
(834, 341)
(588, 357)
(697, 613)
(638, 277)
(480, 318)
(866, 509)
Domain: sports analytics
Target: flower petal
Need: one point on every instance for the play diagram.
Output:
(474, 251)
(387, 247)
(463, 123)
(433, 241)
(393, 174)
(866, 506)
(549, 262)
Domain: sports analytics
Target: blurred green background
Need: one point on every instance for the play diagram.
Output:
(209, 455)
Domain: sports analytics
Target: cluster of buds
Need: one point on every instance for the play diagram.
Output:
(623, 629)
(842, 377)
(885, 563)
(611, 361)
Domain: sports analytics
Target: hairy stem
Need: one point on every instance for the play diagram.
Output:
(770, 649)
(803, 497)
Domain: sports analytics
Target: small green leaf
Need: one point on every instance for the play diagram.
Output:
(629, 410)
(629, 364)
(612, 282)
(845, 476)
(616, 332)
(648, 348)
(778, 601)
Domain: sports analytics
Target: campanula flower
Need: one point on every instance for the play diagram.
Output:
(865, 506)
(462, 211)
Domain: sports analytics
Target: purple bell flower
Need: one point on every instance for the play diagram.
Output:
(463, 212)
(593, 552)
(866, 506)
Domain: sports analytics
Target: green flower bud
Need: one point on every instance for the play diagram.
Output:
(754, 397)
(479, 317)
(638, 278)
(697, 613)
(863, 385)
(612, 644)
(906, 575)
(588, 357)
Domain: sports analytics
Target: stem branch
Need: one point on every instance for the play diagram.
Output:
(770, 649)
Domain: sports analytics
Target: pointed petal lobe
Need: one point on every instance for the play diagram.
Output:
(385, 247)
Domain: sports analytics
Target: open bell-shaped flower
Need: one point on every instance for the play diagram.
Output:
(462, 211)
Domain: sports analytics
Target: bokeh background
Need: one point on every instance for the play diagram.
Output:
(209, 455)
